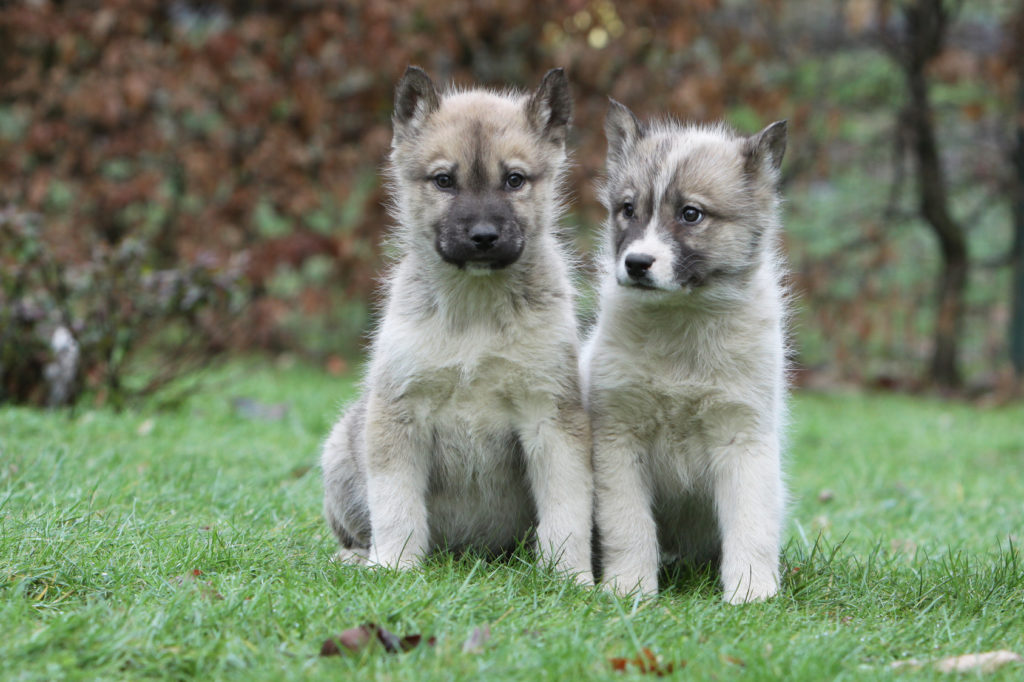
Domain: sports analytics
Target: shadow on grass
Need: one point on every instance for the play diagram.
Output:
(695, 579)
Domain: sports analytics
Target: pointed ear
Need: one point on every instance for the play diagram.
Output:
(550, 108)
(622, 128)
(766, 147)
(415, 99)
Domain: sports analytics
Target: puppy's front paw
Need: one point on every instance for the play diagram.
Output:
(750, 585)
(624, 587)
(401, 562)
(353, 556)
(583, 578)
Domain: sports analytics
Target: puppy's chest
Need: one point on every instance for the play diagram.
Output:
(484, 393)
(457, 390)
(675, 418)
(471, 416)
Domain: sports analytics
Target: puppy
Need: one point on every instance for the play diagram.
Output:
(470, 431)
(684, 371)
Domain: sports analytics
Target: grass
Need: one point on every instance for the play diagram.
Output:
(105, 520)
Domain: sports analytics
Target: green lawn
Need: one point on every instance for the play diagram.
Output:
(189, 544)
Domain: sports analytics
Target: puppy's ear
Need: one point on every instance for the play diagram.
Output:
(764, 151)
(550, 108)
(415, 99)
(622, 128)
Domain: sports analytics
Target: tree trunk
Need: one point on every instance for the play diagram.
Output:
(934, 204)
(926, 24)
(1017, 254)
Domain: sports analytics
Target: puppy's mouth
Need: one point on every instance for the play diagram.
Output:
(645, 285)
(480, 267)
(642, 285)
(642, 282)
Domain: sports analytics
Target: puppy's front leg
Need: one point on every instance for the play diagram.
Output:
(748, 502)
(629, 535)
(558, 467)
(396, 486)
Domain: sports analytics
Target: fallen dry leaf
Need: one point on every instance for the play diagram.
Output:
(474, 644)
(646, 662)
(336, 365)
(985, 662)
(205, 587)
(353, 639)
(146, 427)
(356, 639)
(903, 546)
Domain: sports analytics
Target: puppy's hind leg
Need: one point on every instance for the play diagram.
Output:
(344, 479)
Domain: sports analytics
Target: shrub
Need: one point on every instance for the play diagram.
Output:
(114, 325)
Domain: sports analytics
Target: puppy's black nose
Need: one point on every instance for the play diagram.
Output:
(483, 235)
(637, 264)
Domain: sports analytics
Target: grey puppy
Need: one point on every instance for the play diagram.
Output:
(470, 431)
(684, 372)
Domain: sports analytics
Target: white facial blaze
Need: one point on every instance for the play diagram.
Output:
(657, 246)
(661, 274)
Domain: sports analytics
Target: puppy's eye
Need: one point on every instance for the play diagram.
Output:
(444, 181)
(628, 210)
(691, 215)
(514, 181)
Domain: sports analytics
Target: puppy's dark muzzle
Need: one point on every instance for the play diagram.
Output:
(490, 244)
(485, 245)
(481, 243)
(481, 230)
(484, 235)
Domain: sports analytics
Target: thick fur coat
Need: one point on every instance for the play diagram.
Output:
(684, 370)
(470, 432)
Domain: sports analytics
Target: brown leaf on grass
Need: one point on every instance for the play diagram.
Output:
(986, 662)
(205, 587)
(351, 640)
(903, 546)
(336, 365)
(646, 662)
(474, 644)
(356, 639)
(413, 641)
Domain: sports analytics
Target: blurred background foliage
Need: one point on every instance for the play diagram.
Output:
(180, 178)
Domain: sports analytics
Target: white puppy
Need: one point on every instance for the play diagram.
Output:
(684, 373)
